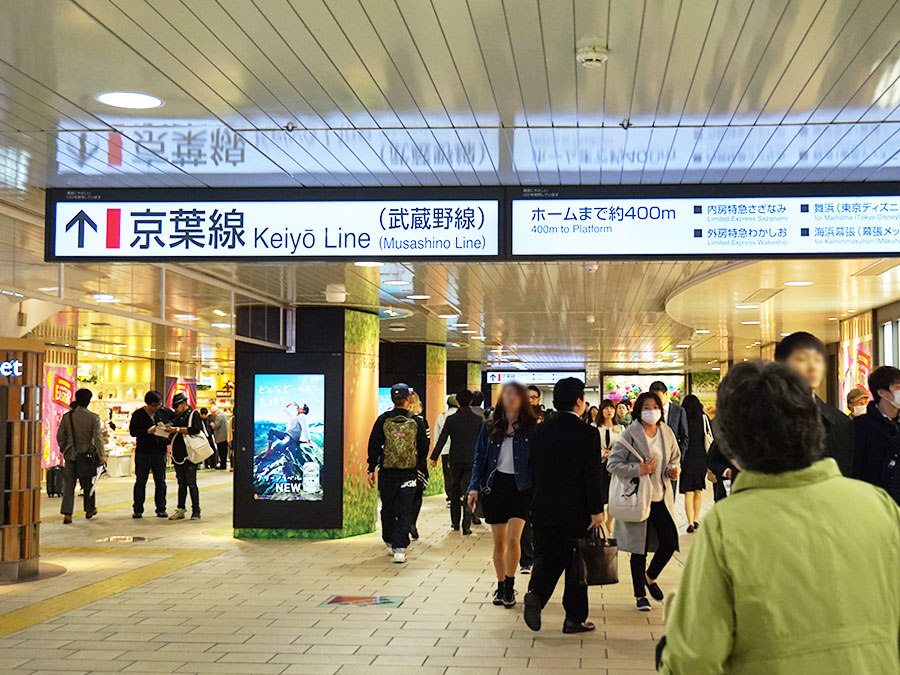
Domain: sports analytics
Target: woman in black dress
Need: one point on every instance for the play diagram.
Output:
(693, 463)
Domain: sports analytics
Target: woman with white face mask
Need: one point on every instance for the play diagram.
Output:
(648, 448)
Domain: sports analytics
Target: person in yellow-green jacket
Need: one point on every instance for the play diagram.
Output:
(797, 571)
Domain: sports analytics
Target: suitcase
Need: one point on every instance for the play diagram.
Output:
(54, 481)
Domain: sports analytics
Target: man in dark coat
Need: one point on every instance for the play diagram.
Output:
(805, 353)
(565, 457)
(877, 433)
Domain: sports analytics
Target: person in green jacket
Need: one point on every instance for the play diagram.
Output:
(797, 571)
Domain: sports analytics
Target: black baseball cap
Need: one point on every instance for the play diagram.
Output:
(400, 391)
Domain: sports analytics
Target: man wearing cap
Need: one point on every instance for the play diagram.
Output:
(857, 400)
(398, 448)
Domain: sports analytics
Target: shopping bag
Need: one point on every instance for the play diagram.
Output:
(629, 498)
(197, 447)
(596, 559)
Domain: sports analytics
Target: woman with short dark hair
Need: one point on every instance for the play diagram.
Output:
(796, 571)
(692, 481)
(648, 447)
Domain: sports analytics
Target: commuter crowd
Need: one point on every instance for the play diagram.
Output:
(192, 438)
(791, 572)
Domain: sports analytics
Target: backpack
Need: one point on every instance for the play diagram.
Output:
(400, 435)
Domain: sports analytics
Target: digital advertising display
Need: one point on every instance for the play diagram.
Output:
(617, 387)
(385, 402)
(288, 437)
(269, 224)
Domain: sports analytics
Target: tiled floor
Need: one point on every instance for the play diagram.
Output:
(254, 608)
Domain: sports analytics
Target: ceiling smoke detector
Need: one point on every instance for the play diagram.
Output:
(590, 52)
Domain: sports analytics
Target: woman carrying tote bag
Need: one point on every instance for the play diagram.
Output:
(645, 458)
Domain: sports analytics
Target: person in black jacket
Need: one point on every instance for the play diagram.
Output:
(149, 455)
(565, 456)
(805, 353)
(877, 432)
(462, 430)
(722, 468)
(398, 448)
(187, 422)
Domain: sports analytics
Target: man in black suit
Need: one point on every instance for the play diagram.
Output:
(673, 414)
(805, 353)
(462, 429)
(565, 457)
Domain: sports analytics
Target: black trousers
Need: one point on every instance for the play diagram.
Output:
(397, 488)
(187, 482)
(222, 451)
(526, 544)
(667, 536)
(445, 465)
(144, 464)
(553, 558)
(460, 476)
(417, 504)
(83, 472)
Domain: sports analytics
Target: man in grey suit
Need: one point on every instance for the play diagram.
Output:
(674, 416)
(79, 430)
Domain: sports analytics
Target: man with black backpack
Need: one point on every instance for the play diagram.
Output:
(877, 433)
(398, 447)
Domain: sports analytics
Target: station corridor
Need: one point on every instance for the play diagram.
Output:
(191, 599)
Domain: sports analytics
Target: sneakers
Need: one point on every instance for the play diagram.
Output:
(399, 556)
(509, 593)
(498, 595)
(195, 516)
(642, 605)
(467, 530)
(525, 569)
(655, 591)
(178, 515)
(390, 549)
(532, 611)
(137, 515)
(162, 514)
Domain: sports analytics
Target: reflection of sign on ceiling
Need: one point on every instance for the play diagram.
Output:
(11, 368)
(531, 377)
(191, 224)
(365, 600)
(704, 226)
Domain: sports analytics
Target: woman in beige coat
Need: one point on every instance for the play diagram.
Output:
(652, 439)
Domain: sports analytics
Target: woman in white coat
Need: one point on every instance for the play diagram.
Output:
(652, 439)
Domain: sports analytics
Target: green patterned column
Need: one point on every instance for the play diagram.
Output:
(435, 404)
(473, 376)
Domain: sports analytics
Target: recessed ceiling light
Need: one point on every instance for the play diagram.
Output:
(219, 312)
(798, 283)
(715, 368)
(832, 318)
(447, 316)
(184, 317)
(460, 325)
(223, 325)
(479, 337)
(396, 282)
(129, 99)
(785, 334)
(682, 346)
(702, 331)
(48, 289)
(418, 297)
(397, 329)
(746, 306)
(368, 263)
(850, 311)
(120, 345)
(468, 332)
(104, 297)
(750, 323)
(173, 353)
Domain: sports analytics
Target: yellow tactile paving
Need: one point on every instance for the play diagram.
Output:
(122, 505)
(66, 602)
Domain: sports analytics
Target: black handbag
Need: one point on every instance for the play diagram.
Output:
(596, 560)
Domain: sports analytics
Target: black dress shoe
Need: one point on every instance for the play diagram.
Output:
(532, 611)
(578, 626)
(137, 515)
(455, 528)
(476, 520)
(690, 529)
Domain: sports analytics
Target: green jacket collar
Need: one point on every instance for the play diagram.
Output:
(815, 473)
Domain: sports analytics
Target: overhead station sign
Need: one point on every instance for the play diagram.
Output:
(184, 224)
(706, 226)
(531, 376)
